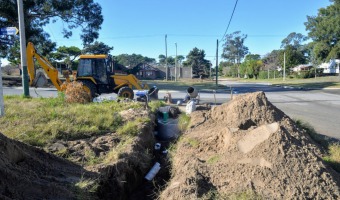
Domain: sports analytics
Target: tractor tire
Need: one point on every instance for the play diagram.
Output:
(90, 88)
(125, 92)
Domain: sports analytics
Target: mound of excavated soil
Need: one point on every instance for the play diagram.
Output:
(30, 173)
(247, 145)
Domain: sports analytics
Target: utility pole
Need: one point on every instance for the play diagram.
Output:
(268, 73)
(284, 66)
(176, 63)
(166, 58)
(216, 64)
(2, 107)
(23, 49)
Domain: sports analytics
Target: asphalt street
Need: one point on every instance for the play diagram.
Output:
(319, 108)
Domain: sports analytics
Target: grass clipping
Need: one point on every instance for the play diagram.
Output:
(75, 93)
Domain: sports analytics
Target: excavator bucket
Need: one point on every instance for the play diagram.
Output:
(39, 80)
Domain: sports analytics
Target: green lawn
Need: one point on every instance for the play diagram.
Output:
(318, 82)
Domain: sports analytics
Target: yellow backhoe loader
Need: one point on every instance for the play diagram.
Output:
(94, 71)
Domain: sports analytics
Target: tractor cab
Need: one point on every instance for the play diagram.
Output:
(96, 69)
(96, 66)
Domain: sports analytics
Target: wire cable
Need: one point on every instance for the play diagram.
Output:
(231, 17)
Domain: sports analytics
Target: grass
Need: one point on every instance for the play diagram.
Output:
(39, 121)
(183, 122)
(213, 159)
(318, 82)
(333, 159)
(91, 158)
(333, 147)
(85, 188)
(154, 105)
(130, 128)
(114, 154)
(192, 142)
(245, 195)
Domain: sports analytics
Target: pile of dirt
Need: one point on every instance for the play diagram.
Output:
(248, 146)
(30, 173)
(76, 93)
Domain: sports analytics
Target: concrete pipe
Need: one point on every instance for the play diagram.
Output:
(192, 92)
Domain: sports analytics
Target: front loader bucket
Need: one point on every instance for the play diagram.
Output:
(153, 93)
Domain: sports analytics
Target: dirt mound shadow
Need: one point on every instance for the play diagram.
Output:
(30, 173)
(247, 145)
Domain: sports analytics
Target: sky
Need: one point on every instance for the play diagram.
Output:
(140, 26)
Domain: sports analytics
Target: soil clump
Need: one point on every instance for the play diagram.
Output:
(248, 146)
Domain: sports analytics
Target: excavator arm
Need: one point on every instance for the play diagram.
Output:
(51, 72)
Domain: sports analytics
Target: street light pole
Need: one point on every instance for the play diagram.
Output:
(176, 64)
(23, 48)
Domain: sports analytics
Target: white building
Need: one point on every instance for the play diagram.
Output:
(331, 67)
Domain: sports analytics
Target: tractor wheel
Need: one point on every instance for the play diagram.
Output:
(90, 88)
(125, 92)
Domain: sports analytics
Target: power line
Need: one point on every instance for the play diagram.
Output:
(231, 17)
(154, 36)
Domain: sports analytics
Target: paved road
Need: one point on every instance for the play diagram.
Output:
(320, 108)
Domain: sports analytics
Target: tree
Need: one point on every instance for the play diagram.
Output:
(37, 14)
(294, 49)
(161, 59)
(97, 48)
(251, 65)
(294, 57)
(293, 39)
(8, 69)
(133, 60)
(234, 49)
(230, 68)
(67, 55)
(180, 58)
(272, 59)
(324, 30)
(196, 60)
(170, 60)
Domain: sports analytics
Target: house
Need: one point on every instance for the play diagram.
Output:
(300, 68)
(146, 71)
(331, 67)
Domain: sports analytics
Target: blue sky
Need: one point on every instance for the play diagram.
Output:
(139, 26)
